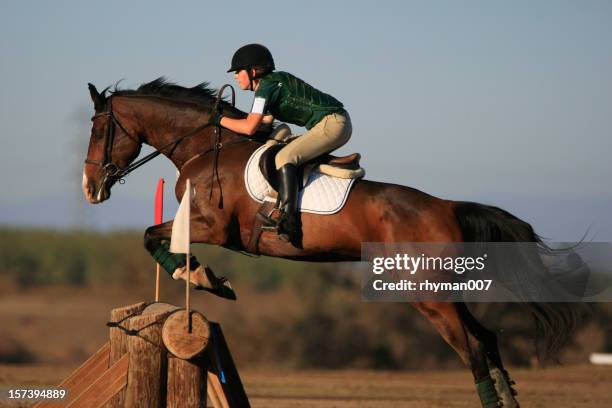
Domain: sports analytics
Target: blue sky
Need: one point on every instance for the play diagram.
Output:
(507, 103)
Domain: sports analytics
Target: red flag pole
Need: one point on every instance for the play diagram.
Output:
(159, 215)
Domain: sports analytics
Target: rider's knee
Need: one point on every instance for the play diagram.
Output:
(284, 157)
(281, 133)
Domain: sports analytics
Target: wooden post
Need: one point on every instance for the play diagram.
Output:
(186, 384)
(148, 365)
(119, 343)
(118, 337)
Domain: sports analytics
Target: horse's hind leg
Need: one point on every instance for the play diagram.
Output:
(447, 320)
(503, 382)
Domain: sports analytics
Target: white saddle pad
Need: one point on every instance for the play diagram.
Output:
(322, 194)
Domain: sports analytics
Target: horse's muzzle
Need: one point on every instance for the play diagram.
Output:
(95, 194)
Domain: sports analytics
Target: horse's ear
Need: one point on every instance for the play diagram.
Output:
(97, 98)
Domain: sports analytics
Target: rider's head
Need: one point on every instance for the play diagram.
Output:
(251, 62)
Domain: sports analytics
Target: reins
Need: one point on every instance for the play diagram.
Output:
(217, 146)
(151, 156)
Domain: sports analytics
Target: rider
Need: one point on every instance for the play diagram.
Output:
(287, 98)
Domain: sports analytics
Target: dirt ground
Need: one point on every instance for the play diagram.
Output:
(559, 387)
(37, 321)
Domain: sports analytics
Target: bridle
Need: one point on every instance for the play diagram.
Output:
(111, 170)
(114, 172)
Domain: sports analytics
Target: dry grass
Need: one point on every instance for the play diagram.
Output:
(561, 387)
(61, 327)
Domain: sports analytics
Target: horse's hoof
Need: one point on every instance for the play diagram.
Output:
(224, 290)
(503, 386)
(203, 278)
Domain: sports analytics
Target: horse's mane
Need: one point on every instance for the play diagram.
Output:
(201, 95)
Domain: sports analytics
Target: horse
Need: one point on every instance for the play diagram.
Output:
(174, 120)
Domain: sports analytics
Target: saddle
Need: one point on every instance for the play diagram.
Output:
(336, 166)
(345, 167)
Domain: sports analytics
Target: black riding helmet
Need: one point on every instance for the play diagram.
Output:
(252, 56)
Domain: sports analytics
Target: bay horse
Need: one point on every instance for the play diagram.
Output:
(158, 112)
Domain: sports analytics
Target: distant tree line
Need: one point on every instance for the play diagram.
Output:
(309, 313)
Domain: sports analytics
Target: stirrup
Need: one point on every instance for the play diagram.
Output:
(269, 223)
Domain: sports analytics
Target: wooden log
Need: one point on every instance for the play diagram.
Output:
(159, 307)
(147, 374)
(183, 338)
(186, 384)
(80, 378)
(119, 343)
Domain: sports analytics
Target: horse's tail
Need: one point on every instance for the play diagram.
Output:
(555, 322)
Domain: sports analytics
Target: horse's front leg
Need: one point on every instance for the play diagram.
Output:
(157, 242)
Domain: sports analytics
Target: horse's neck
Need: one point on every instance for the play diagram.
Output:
(161, 125)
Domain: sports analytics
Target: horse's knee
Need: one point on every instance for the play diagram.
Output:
(151, 241)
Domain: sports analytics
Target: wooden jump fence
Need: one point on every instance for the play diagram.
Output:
(157, 356)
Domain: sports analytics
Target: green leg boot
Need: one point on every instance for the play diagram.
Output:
(487, 393)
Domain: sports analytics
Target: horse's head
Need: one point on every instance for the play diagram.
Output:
(111, 148)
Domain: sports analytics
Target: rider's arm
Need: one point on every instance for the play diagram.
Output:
(249, 125)
(246, 126)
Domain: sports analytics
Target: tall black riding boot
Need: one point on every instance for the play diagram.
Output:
(289, 222)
